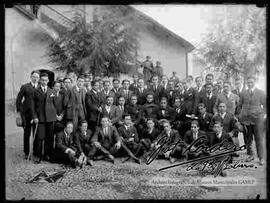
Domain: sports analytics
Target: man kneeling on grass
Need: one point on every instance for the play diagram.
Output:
(66, 148)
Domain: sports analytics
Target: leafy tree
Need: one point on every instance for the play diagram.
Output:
(236, 42)
(107, 44)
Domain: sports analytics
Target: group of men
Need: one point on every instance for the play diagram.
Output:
(82, 123)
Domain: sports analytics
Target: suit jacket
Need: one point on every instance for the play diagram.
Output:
(189, 101)
(62, 143)
(151, 136)
(188, 137)
(173, 138)
(83, 139)
(158, 92)
(169, 94)
(149, 111)
(204, 123)
(135, 112)
(103, 96)
(209, 103)
(232, 102)
(180, 113)
(59, 103)
(126, 96)
(43, 105)
(113, 114)
(71, 101)
(169, 113)
(133, 86)
(252, 107)
(26, 92)
(126, 134)
(92, 102)
(228, 122)
(141, 96)
(106, 141)
(213, 139)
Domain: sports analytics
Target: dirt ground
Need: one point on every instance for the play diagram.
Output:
(120, 180)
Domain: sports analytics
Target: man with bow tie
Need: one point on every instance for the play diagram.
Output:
(24, 108)
(252, 116)
(45, 115)
(66, 147)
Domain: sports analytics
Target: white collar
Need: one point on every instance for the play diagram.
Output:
(219, 134)
(222, 115)
(204, 115)
(77, 88)
(127, 127)
(94, 91)
(33, 84)
(252, 89)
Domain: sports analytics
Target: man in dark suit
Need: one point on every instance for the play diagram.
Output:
(125, 92)
(45, 115)
(149, 109)
(109, 110)
(204, 118)
(199, 91)
(134, 85)
(107, 92)
(130, 138)
(121, 110)
(208, 98)
(134, 110)
(170, 137)
(189, 97)
(253, 112)
(141, 91)
(178, 92)
(24, 108)
(116, 86)
(84, 137)
(157, 89)
(66, 147)
(93, 106)
(217, 137)
(168, 92)
(148, 68)
(164, 111)
(191, 135)
(239, 88)
(59, 103)
(180, 116)
(106, 140)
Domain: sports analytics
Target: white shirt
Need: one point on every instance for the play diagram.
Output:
(222, 115)
(94, 91)
(199, 89)
(203, 116)
(35, 85)
(219, 135)
(108, 108)
(77, 88)
(44, 89)
(195, 136)
(209, 95)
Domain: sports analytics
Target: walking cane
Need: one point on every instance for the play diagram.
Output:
(32, 143)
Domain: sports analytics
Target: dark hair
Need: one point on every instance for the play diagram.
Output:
(125, 80)
(209, 83)
(149, 93)
(116, 79)
(44, 75)
(55, 82)
(125, 115)
(201, 105)
(219, 122)
(209, 74)
(134, 95)
(67, 78)
(121, 96)
(198, 77)
(35, 71)
(195, 122)
(106, 81)
(94, 82)
(190, 76)
(80, 77)
(83, 121)
(155, 75)
(109, 96)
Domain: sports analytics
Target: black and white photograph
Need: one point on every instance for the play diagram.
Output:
(135, 102)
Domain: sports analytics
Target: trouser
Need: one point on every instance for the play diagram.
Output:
(44, 140)
(27, 127)
(78, 116)
(65, 158)
(254, 130)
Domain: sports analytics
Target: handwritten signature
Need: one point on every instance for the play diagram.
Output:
(218, 161)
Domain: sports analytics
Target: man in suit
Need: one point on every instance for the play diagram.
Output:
(93, 106)
(149, 109)
(253, 112)
(45, 115)
(59, 103)
(189, 97)
(158, 70)
(164, 82)
(191, 135)
(199, 91)
(168, 92)
(125, 92)
(24, 108)
(178, 92)
(134, 85)
(239, 88)
(180, 116)
(204, 118)
(84, 137)
(116, 86)
(157, 89)
(106, 140)
(208, 98)
(66, 148)
(209, 78)
(134, 110)
(148, 68)
(130, 138)
(121, 109)
(219, 87)
(141, 91)
(174, 77)
(76, 108)
(231, 100)
(164, 111)
(217, 137)
(170, 137)
(109, 110)
(106, 92)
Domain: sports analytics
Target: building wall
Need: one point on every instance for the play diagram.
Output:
(25, 48)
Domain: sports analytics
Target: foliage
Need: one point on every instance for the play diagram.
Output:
(107, 44)
(235, 43)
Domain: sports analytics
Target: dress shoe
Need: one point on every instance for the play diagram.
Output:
(250, 158)
(261, 162)
(89, 162)
(172, 160)
(138, 161)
